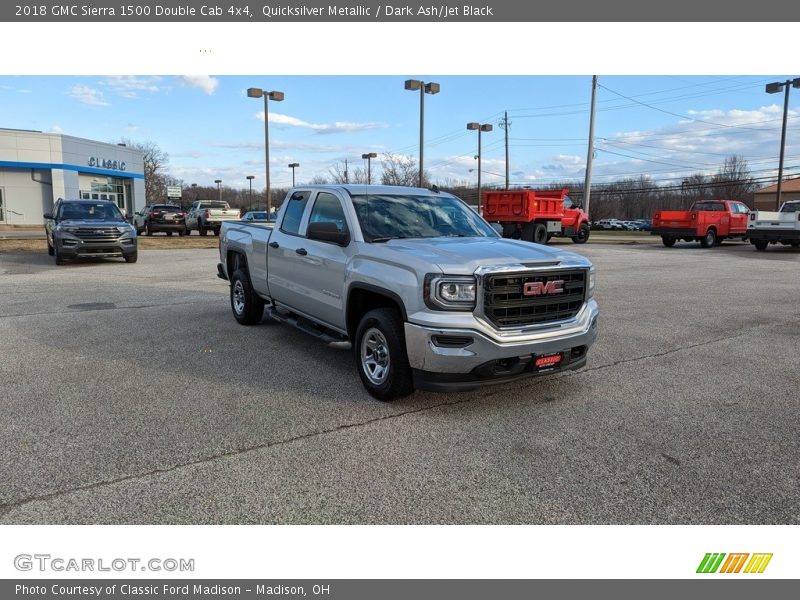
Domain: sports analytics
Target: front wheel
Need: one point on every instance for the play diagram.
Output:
(760, 244)
(583, 234)
(201, 230)
(50, 250)
(668, 241)
(132, 257)
(380, 353)
(247, 307)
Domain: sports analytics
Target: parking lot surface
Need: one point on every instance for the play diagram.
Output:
(131, 395)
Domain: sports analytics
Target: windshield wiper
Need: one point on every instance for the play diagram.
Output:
(380, 240)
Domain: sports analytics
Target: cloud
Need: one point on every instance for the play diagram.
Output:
(341, 149)
(56, 129)
(87, 95)
(130, 86)
(205, 83)
(322, 128)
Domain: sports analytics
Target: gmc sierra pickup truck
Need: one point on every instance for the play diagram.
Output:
(782, 227)
(208, 215)
(426, 292)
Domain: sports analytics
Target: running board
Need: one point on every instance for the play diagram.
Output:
(306, 326)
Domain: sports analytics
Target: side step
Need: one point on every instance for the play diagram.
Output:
(305, 325)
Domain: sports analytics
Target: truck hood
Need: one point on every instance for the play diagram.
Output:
(462, 256)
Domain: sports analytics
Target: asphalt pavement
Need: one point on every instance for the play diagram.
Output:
(131, 395)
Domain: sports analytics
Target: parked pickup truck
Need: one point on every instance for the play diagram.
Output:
(782, 227)
(208, 215)
(426, 292)
(707, 221)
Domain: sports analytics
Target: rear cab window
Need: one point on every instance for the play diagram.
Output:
(293, 215)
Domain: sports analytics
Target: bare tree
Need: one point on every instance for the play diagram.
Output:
(734, 181)
(401, 170)
(340, 172)
(156, 161)
(318, 180)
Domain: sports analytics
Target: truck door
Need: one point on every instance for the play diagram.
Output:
(284, 260)
(321, 272)
(739, 215)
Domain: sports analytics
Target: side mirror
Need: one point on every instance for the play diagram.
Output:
(327, 232)
(48, 215)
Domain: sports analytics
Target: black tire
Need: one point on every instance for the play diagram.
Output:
(247, 307)
(131, 258)
(188, 231)
(384, 327)
(58, 257)
(539, 233)
(181, 233)
(794, 244)
(668, 241)
(709, 239)
(201, 230)
(148, 230)
(50, 250)
(169, 233)
(583, 234)
(760, 244)
(216, 232)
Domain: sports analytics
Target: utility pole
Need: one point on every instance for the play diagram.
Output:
(587, 183)
(506, 125)
(346, 180)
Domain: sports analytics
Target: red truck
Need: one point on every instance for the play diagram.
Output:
(707, 221)
(536, 215)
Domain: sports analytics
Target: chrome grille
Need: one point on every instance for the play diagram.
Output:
(505, 305)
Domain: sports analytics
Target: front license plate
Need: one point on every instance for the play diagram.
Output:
(547, 361)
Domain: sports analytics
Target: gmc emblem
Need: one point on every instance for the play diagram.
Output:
(540, 288)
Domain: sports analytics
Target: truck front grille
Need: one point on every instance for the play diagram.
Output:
(97, 235)
(506, 305)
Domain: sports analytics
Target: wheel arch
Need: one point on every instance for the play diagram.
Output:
(364, 297)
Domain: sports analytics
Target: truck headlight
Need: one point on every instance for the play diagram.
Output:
(592, 273)
(449, 292)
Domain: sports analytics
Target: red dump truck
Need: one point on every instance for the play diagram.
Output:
(707, 221)
(536, 215)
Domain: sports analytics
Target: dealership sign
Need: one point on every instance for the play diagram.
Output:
(173, 191)
(102, 163)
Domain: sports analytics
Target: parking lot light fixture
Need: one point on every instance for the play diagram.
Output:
(275, 96)
(424, 88)
(250, 202)
(480, 128)
(293, 166)
(774, 88)
(219, 188)
(368, 156)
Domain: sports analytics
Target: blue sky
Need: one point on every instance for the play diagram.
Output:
(663, 126)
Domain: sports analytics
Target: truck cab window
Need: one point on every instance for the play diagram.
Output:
(294, 212)
(328, 209)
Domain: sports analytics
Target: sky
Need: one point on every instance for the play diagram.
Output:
(665, 127)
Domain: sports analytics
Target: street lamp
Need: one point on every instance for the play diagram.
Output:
(219, 188)
(194, 190)
(480, 128)
(250, 180)
(489, 172)
(774, 88)
(293, 166)
(277, 97)
(369, 156)
(424, 88)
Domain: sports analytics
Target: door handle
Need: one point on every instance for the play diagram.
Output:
(302, 251)
(274, 245)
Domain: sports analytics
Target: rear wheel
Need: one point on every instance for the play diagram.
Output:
(709, 239)
(216, 232)
(169, 233)
(760, 244)
(149, 231)
(201, 230)
(583, 234)
(247, 307)
(381, 357)
(539, 234)
(668, 241)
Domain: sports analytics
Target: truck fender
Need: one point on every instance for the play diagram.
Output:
(363, 297)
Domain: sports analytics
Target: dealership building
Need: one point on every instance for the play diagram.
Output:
(36, 169)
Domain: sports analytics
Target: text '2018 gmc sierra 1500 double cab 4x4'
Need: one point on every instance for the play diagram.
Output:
(425, 290)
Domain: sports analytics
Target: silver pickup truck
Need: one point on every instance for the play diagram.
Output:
(427, 293)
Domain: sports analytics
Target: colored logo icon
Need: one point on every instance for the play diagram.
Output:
(719, 562)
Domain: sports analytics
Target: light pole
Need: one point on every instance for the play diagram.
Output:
(293, 166)
(369, 156)
(424, 88)
(194, 191)
(480, 128)
(277, 97)
(489, 172)
(774, 88)
(219, 188)
(250, 180)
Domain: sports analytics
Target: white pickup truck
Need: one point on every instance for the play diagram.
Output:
(782, 227)
(208, 215)
(427, 293)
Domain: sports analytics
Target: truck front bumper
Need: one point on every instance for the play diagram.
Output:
(462, 359)
(72, 247)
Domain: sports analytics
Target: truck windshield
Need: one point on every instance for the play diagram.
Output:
(389, 216)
